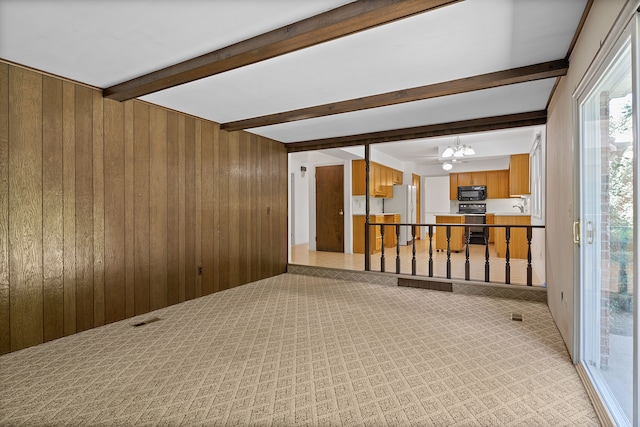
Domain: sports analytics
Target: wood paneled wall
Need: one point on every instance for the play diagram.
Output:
(107, 209)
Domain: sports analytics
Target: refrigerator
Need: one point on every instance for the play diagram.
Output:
(404, 203)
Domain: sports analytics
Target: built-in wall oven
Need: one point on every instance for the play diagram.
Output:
(475, 213)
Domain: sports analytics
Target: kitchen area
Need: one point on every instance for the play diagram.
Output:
(500, 191)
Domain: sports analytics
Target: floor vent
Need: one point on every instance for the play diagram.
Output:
(146, 322)
(426, 284)
(517, 316)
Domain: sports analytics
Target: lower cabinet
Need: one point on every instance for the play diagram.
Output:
(518, 246)
(491, 219)
(390, 237)
(457, 233)
(375, 236)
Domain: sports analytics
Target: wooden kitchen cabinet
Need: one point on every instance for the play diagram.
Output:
(519, 175)
(375, 236)
(381, 179)
(518, 247)
(359, 178)
(457, 233)
(498, 184)
(396, 177)
(453, 186)
(491, 219)
(390, 237)
(464, 179)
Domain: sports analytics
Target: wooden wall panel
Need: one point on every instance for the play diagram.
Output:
(52, 204)
(141, 207)
(198, 207)
(114, 203)
(158, 207)
(173, 208)
(208, 202)
(25, 208)
(84, 208)
(223, 213)
(234, 209)
(98, 210)
(244, 204)
(129, 210)
(216, 210)
(182, 242)
(5, 330)
(108, 209)
(69, 204)
(190, 208)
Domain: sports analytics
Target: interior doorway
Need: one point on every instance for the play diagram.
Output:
(330, 208)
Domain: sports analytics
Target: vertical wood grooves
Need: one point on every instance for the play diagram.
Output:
(25, 208)
(5, 309)
(173, 215)
(141, 208)
(69, 205)
(107, 209)
(84, 209)
(114, 218)
(53, 227)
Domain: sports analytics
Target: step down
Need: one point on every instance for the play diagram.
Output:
(426, 284)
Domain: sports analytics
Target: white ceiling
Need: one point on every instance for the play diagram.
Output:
(103, 43)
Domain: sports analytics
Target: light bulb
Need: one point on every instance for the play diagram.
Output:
(447, 166)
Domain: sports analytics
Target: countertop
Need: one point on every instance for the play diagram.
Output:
(512, 214)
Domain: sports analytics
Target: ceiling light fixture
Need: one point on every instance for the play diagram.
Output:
(447, 166)
(456, 150)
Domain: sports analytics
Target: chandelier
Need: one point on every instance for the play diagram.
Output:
(456, 150)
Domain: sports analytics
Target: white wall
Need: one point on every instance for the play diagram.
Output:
(561, 169)
(300, 210)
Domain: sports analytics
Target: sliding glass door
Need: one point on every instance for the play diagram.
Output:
(608, 241)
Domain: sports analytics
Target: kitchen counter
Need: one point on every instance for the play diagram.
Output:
(511, 214)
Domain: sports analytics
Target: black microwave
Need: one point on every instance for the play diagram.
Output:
(472, 193)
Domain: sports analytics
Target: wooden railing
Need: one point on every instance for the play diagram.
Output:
(467, 237)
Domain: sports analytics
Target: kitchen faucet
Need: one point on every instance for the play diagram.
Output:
(519, 206)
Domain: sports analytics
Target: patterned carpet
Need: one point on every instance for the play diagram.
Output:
(301, 350)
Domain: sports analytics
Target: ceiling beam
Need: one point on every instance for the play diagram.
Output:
(484, 124)
(468, 84)
(339, 22)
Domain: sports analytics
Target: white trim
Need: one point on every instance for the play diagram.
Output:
(613, 36)
(598, 405)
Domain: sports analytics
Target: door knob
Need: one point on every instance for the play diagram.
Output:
(341, 213)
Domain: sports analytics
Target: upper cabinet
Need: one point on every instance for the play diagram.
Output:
(519, 175)
(381, 179)
(497, 183)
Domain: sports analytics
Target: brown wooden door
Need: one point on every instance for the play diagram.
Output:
(330, 208)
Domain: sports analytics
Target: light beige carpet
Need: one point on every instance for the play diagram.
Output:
(301, 350)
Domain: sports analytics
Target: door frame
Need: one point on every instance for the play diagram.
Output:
(627, 24)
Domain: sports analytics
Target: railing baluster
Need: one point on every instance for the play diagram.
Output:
(529, 270)
(413, 260)
(382, 249)
(448, 252)
(507, 265)
(397, 249)
(430, 251)
(430, 233)
(486, 258)
(467, 267)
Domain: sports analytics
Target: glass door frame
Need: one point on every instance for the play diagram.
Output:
(629, 27)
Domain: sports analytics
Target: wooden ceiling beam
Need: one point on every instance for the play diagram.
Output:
(469, 84)
(339, 22)
(484, 124)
